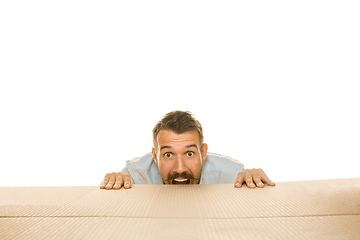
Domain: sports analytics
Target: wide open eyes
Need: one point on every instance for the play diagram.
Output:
(190, 154)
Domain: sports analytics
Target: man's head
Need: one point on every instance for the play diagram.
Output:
(179, 150)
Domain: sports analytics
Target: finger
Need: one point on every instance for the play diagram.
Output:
(257, 179)
(105, 181)
(249, 179)
(111, 182)
(118, 181)
(127, 181)
(265, 179)
(239, 180)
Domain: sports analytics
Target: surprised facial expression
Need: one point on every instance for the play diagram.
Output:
(179, 157)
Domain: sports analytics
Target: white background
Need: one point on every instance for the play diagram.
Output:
(275, 85)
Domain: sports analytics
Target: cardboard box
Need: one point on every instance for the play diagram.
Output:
(325, 209)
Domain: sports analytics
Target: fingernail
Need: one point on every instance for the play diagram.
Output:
(237, 184)
(126, 184)
(250, 184)
(116, 185)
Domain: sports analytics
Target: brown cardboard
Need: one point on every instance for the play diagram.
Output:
(326, 209)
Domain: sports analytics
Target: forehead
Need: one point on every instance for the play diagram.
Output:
(171, 139)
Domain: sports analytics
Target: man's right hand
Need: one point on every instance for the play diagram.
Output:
(115, 181)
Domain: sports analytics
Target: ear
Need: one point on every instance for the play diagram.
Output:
(154, 156)
(204, 151)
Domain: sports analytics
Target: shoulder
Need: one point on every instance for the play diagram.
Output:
(143, 170)
(218, 162)
(220, 169)
(142, 162)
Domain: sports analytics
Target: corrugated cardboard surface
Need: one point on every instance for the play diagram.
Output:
(326, 209)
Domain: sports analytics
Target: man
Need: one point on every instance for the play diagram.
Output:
(180, 156)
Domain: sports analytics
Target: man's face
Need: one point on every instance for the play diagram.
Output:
(179, 157)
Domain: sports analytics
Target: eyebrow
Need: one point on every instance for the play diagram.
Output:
(188, 146)
(192, 145)
(164, 147)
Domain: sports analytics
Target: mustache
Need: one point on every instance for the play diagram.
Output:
(187, 175)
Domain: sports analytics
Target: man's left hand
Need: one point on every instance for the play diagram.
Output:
(253, 178)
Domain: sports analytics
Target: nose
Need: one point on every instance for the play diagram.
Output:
(180, 165)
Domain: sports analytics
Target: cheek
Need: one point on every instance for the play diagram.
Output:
(164, 167)
(196, 166)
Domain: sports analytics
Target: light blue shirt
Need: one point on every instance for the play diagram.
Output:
(215, 169)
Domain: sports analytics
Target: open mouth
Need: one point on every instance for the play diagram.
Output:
(180, 181)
